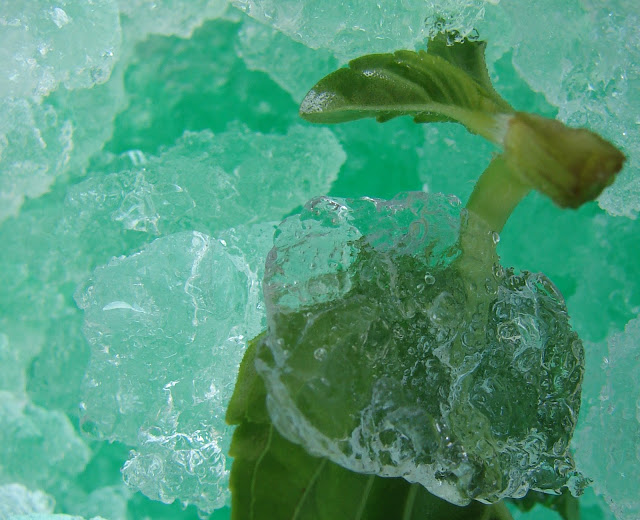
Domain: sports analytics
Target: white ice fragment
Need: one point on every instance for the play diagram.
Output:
(60, 17)
(15, 499)
(122, 305)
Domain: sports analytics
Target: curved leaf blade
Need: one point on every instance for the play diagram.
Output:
(427, 86)
(468, 56)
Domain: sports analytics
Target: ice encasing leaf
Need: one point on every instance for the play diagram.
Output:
(387, 355)
(274, 478)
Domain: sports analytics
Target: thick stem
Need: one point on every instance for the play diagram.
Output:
(496, 194)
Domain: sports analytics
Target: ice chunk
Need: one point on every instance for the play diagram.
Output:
(168, 327)
(15, 499)
(175, 85)
(177, 17)
(391, 353)
(41, 142)
(14, 360)
(109, 501)
(45, 43)
(292, 65)
(44, 435)
(35, 147)
(583, 56)
(209, 182)
(364, 26)
(608, 440)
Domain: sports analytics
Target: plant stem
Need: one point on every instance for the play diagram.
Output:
(499, 511)
(496, 194)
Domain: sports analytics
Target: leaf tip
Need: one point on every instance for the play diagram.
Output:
(316, 105)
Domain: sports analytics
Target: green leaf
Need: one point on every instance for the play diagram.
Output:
(469, 57)
(247, 403)
(445, 84)
(566, 505)
(276, 479)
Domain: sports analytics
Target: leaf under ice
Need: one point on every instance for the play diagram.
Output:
(274, 478)
(388, 355)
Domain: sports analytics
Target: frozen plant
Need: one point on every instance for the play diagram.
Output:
(397, 345)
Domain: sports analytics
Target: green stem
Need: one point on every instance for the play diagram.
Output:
(500, 511)
(496, 194)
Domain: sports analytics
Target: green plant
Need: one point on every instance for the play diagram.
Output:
(373, 312)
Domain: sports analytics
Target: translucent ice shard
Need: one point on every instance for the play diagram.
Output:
(608, 441)
(41, 142)
(46, 436)
(389, 353)
(15, 499)
(209, 181)
(168, 327)
(35, 147)
(46, 43)
(290, 64)
(177, 17)
(349, 29)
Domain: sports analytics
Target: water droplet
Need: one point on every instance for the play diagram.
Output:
(320, 354)
(495, 237)
(454, 201)
(429, 279)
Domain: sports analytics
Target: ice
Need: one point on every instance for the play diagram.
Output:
(95, 103)
(350, 29)
(209, 182)
(292, 65)
(176, 17)
(14, 361)
(109, 501)
(15, 499)
(386, 359)
(168, 327)
(584, 57)
(43, 141)
(35, 147)
(28, 433)
(45, 43)
(614, 465)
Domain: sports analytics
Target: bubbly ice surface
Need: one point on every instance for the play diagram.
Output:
(15, 499)
(45, 43)
(390, 354)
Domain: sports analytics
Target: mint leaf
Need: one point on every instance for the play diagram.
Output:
(469, 57)
(441, 85)
(388, 354)
(276, 479)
